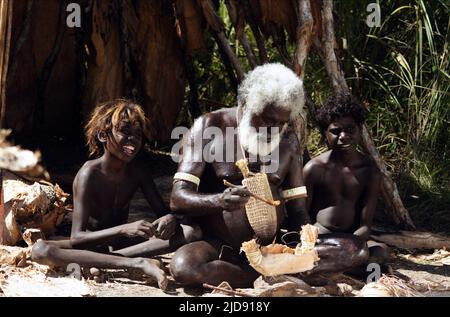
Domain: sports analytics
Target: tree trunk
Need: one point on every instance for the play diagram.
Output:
(397, 212)
(413, 240)
(216, 25)
(304, 38)
(5, 40)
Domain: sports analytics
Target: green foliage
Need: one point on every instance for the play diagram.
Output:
(399, 70)
(402, 70)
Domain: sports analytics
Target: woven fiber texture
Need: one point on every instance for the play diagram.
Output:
(261, 216)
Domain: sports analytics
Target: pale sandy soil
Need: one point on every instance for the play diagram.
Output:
(432, 280)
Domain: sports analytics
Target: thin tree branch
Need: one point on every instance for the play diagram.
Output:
(216, 24)
(250, 17)
(193, 87)
(279, 41)
(228, 66)
(239, 26)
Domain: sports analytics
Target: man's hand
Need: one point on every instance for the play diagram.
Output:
(234, 198)
(165, 226)
(139, 228)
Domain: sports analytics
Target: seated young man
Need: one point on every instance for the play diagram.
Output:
(343, 183)
(103, 188)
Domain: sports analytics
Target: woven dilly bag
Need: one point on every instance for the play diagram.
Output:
(261, 216)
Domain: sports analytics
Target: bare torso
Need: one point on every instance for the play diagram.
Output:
(109, 195)
(339, 192)
(232, 227)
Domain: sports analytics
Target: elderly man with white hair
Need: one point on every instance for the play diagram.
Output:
(270, 97)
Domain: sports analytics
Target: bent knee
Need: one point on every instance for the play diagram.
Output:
(359, 252)
(378, 253)
(40, 251)
(361, 255)
(192, 233)
(182, 271)
(187, 263)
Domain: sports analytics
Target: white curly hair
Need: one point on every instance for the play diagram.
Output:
(272, 83)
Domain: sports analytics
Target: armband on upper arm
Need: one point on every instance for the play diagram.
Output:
(187, 177)
(294, 193)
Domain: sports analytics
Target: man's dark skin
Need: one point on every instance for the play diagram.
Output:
(101, 236)
(343, 186)
(221, 212)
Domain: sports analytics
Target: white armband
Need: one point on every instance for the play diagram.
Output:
(187, 177)
(294, 193)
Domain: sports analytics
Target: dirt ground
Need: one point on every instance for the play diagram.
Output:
(430, 279)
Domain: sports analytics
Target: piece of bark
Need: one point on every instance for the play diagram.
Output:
(280, 13)
(30, 206)
(14, 256)
(276, 259)
(283, 289)
(32, 235)
(414, 240)
(225, 289)
(265, 281)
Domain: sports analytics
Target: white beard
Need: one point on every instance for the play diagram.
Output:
(255, 142)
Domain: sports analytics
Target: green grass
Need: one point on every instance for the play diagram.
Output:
(400, 71)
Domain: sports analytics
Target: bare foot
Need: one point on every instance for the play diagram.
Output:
(152, 268)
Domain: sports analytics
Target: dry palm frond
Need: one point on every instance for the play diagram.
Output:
(388, 286)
